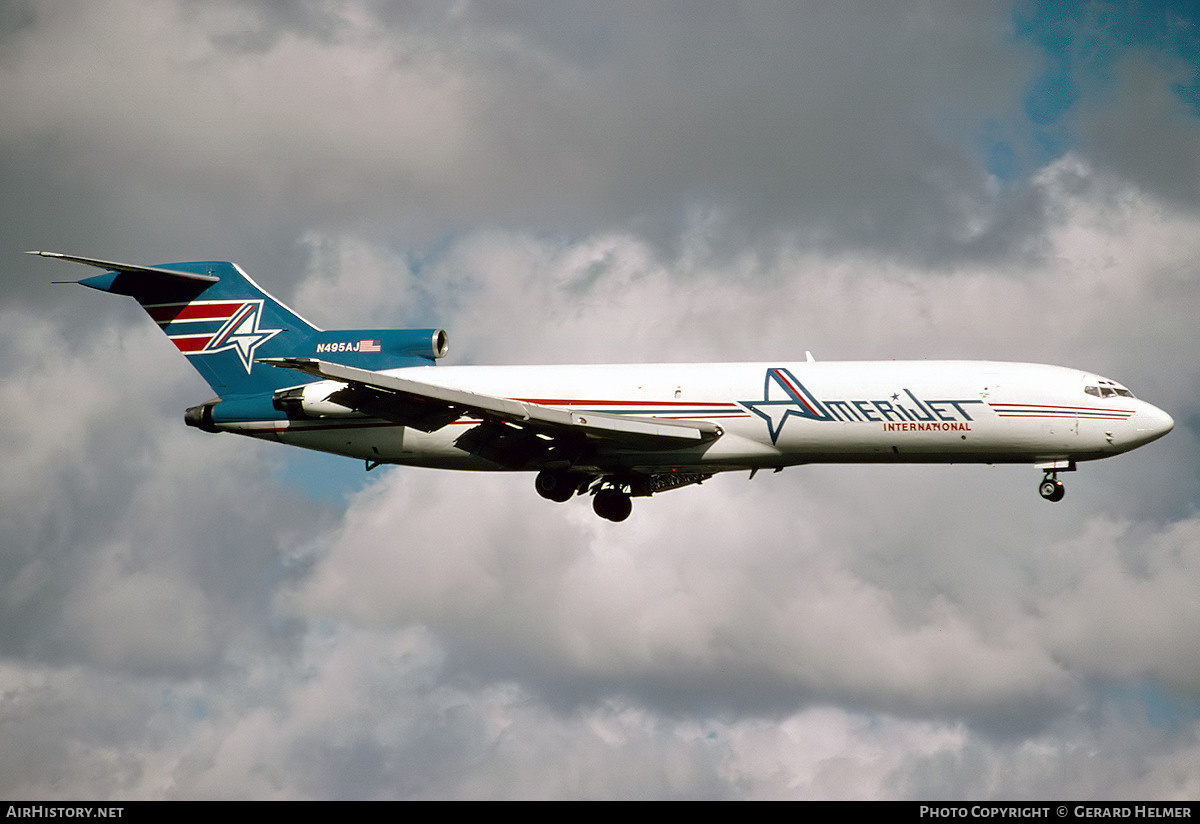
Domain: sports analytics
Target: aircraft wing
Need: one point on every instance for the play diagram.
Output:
(429, 407)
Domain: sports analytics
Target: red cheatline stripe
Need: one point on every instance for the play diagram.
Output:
(165, 313)
(695, 417)
(1064, 417)
(298, 427)
(1102, 409)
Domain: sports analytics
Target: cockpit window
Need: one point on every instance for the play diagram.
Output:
(1108, 389)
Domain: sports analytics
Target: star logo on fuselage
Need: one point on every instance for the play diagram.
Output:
(783, 397)
(242, 334)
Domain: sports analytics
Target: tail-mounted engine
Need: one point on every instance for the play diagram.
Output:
(314, 400)
(379, 348)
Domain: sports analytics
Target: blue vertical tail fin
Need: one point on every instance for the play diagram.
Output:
(224, 322)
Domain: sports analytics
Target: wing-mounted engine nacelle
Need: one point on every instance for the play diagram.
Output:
(314, 400)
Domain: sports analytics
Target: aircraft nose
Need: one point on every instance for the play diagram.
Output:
(1153, 423)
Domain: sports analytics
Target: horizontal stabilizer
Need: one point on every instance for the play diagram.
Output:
(129, 268)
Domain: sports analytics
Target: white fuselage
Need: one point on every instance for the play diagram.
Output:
(775, 415)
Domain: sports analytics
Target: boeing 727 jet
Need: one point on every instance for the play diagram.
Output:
(613, 431)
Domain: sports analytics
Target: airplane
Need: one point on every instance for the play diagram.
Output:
(612, 431)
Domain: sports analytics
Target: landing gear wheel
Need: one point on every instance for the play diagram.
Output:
(1051, 489)
(555, 486)
(612, 504)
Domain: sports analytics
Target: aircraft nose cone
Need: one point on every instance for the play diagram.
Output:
(1153, 423)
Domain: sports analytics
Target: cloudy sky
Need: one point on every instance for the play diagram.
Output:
(185, 615)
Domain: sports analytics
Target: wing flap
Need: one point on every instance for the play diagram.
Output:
(634, 431)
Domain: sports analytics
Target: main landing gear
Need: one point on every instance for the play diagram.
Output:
(611, 494)
(556, 486)
(1051, 488)
(611, 499)
(613, 504)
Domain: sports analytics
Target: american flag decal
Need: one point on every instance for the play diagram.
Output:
(368, 346)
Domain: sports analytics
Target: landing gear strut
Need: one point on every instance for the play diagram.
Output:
(1051, 487)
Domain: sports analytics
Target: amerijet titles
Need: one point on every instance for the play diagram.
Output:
(784, 396)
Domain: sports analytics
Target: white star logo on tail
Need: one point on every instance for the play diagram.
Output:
(242, 334)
